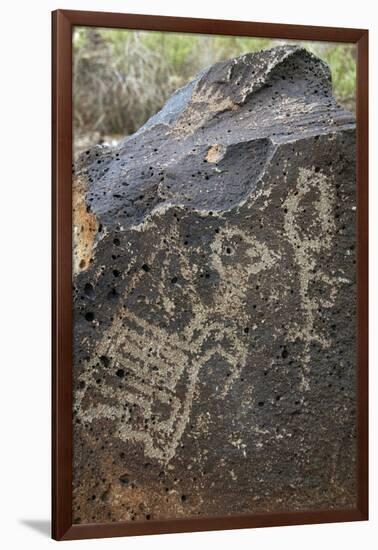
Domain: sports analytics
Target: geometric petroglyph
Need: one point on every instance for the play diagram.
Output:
(160, 370)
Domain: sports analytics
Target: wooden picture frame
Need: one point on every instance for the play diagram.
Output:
(63, 22)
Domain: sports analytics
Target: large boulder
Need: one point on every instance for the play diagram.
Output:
(214, 301)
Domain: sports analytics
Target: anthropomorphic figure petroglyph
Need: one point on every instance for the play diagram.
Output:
(147, 355)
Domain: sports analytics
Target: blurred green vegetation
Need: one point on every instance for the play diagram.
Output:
(123, 77)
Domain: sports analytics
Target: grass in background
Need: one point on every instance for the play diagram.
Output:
(122, 77)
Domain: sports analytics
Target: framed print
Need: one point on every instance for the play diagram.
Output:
(209, 274)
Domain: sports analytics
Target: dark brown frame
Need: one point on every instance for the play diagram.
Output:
(62, 24)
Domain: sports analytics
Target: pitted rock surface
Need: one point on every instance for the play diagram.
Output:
(215, 301)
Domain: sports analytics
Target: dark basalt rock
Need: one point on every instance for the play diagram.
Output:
(214, 301)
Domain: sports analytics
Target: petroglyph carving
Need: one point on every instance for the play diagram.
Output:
(307, 243)
(214, 301)
(155, 362)
(170, 358)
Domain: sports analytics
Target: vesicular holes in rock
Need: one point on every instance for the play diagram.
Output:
(89, 291)
(89, 316)
(124, 479)
(112, 294)
(105, 361)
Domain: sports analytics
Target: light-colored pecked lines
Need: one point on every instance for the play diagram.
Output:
(307, 243)
(153, 404)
